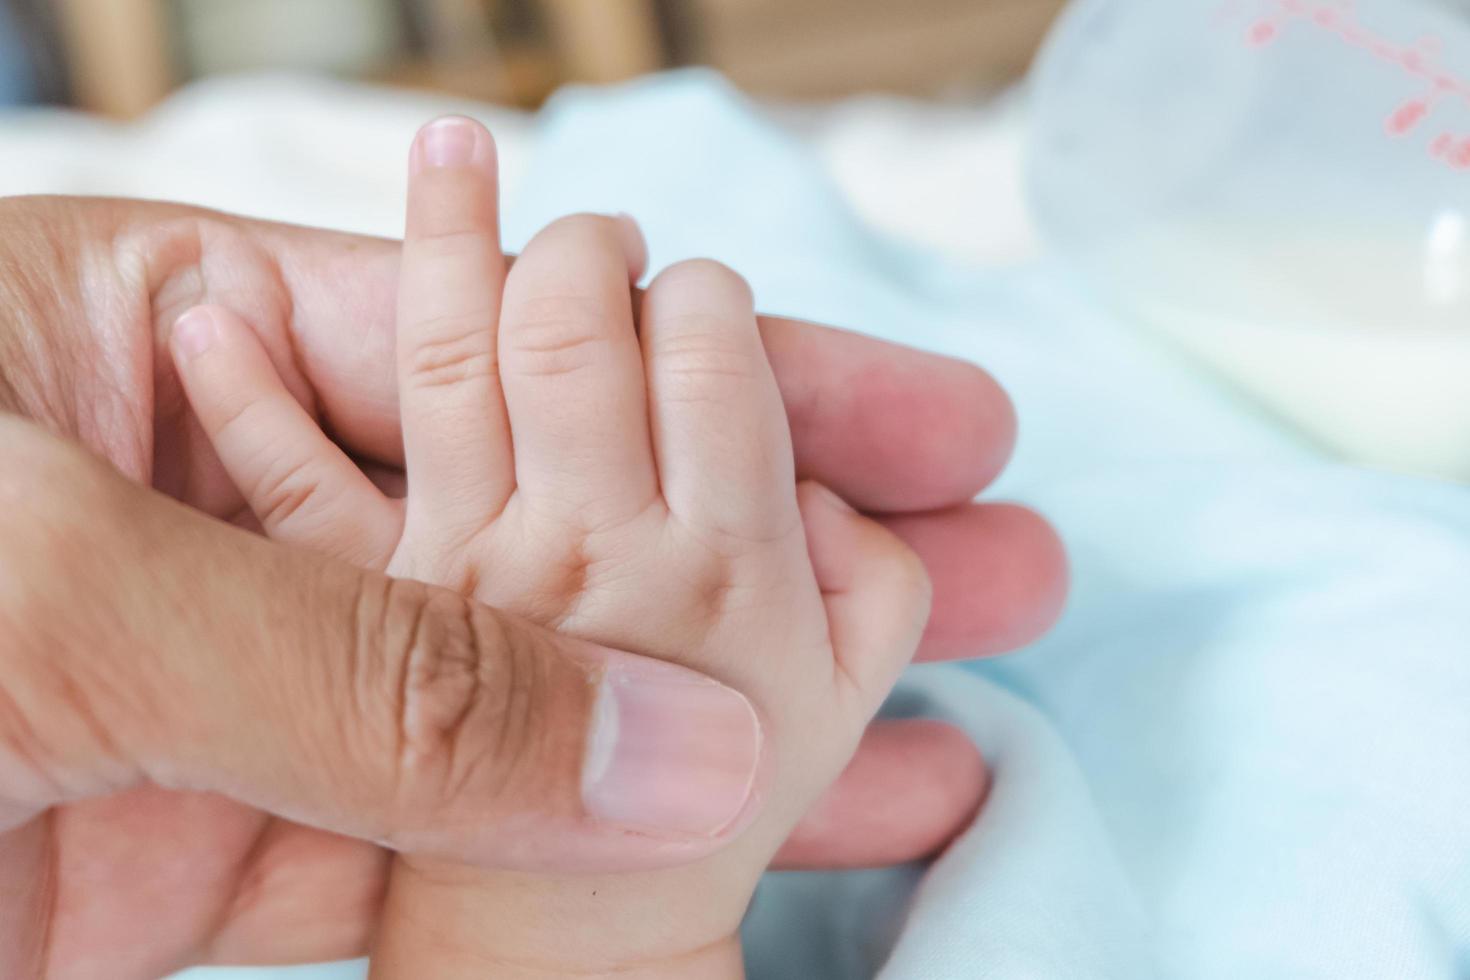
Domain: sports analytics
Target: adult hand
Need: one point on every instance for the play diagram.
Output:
(143, 644)
(88, 291)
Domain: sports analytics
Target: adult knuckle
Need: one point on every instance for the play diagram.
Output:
(439, 680)
(468, 707)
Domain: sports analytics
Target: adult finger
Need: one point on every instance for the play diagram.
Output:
(207, 880)
(999, 572)
(913, 786)
(143, 643)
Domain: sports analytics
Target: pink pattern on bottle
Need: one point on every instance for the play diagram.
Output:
(1338, 20)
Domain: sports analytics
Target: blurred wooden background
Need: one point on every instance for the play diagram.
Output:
(119, 57)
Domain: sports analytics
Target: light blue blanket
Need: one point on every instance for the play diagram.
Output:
(1245, 753)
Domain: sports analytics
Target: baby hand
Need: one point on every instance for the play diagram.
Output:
(621, 471)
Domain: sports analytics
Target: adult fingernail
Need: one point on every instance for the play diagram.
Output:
(453, 141)
(670, 751)
(194, 333)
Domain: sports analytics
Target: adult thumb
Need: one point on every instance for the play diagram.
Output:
(141, 641)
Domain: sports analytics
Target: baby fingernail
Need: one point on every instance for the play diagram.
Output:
(453, 141)
(669, 751)
(194, 333)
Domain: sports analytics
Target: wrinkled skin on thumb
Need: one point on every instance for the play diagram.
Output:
(147, 644)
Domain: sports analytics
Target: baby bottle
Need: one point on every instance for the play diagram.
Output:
(1281, 188)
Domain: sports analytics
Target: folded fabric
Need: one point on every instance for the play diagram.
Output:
(1246, 750)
